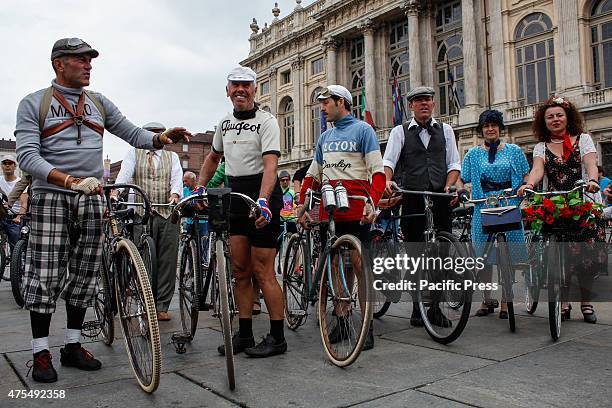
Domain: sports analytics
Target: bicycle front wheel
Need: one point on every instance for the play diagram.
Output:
(294, 283)
(506, 274)
(189, 272)
(138, 315)
(445, 302)
(345, 310)
(553, 269)
(225, 315)
(18, 260)
(532, 274)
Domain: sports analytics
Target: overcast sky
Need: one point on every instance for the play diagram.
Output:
(160, 60)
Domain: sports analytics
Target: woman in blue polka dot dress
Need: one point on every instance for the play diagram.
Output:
(493, 167)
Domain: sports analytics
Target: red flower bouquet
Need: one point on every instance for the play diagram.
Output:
(569, 213)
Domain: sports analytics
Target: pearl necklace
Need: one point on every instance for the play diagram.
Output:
(556, 141)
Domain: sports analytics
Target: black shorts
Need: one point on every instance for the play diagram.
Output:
(351, 227)
(241, 224)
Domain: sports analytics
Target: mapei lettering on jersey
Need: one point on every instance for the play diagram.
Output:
(337, 165)
(226, 126)
(60, 112)
(340, 146)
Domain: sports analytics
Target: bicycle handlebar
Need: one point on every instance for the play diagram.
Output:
(147, 204)
(426, 193)
(255, 210)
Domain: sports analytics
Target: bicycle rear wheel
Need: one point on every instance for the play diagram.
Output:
(380, 303)
(553, 269)
(138, 315)
(225, 315)
(149, 257)
(345, 309)
(17, 270)
(189, 285)
(295, 287)
(532, 274)
(3, 258)
(445, 312)
(506, 274)
(103, 324)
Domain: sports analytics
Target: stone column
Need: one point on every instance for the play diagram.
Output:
(297, 70)
(411, 8)
(470, 61)
(367, 28)
(567, 53)
(426, 47)
(498, 55)
(330, 46)
(273, 94)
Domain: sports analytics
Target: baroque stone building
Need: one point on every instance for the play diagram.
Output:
(506, 54)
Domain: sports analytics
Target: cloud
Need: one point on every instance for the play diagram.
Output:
(160, 60)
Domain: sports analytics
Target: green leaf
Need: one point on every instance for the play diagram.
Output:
(575, 217)
(558, 200)
(575, 201)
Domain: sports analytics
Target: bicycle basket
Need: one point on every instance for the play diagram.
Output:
(500, 219)
(218, 208)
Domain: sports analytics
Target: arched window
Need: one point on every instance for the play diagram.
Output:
(535, 59)
(601, 43)
(287, 120)
(315, 116)
(450, 75)
(449, 61)
(398, 62)
(357, 66)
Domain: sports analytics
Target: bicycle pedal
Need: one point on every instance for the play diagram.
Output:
(298, 312)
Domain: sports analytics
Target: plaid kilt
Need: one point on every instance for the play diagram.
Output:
(65, 234)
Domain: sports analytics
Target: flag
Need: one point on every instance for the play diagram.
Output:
(453, 96)
(323, 122)
(365, 113)
(397, 104)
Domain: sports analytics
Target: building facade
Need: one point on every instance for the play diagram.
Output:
(510, 55)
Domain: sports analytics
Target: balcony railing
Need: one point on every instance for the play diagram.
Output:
(599, 97)
(451, 120)
(522, 112)
(383, 134)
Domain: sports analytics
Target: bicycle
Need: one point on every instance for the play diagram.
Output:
(18, 261)
(445, 313)
(555, 260)
(342, 291)
(222, 299)
(125, 281)
(498, 239)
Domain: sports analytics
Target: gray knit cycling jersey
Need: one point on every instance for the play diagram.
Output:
(244, 142)
(38, 156)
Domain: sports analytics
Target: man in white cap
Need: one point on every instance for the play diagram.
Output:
(249, 138)
(422, 155)
(349, 154)
(59, 142)
(158, 172)
(8, 180)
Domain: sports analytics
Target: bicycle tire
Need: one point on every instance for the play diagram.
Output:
(17, 270)
(504, 266)
(365, 308)
(108, 322)
(461, 301)
(225, 316)
(3, 264)
(132, 284)
(149, 257)
(532, 275)
(553, 277)
(294, 285)
(188, 266)
(380, 303)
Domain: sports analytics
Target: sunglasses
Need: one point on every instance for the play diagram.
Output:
(74, 43)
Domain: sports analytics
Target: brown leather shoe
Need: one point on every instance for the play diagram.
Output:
(163, 316)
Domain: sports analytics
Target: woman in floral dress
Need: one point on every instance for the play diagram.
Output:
(565, 154)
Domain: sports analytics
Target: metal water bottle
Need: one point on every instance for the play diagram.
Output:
(328, 196)
(341, 197)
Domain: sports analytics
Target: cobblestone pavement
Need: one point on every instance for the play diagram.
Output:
(486, 367)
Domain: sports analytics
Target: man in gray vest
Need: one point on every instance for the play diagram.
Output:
(422, 155)
(158, 172)
(59, 142)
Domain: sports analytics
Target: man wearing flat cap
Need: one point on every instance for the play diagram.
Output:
(59, 142)
(249, 139)
(422, 155)
(159, 174)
